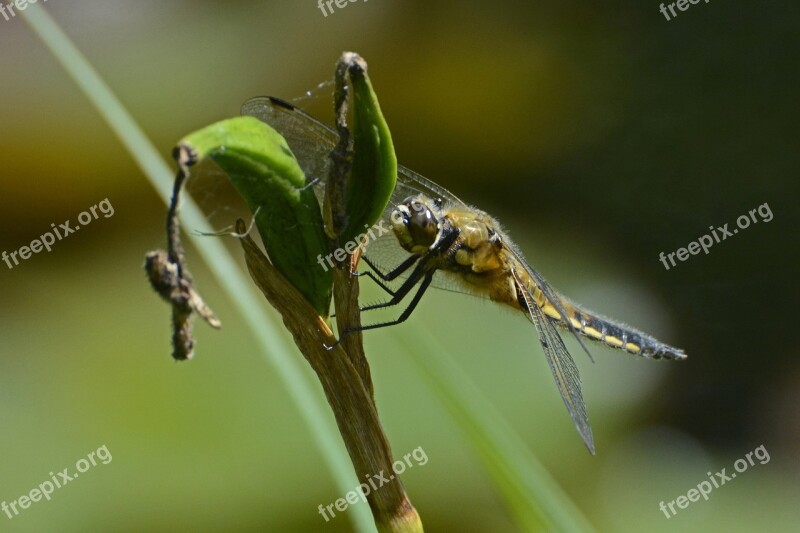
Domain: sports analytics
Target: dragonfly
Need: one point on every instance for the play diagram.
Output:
(438, 240)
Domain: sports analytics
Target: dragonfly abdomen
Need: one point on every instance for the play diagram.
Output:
(618, 335)
(609, 332)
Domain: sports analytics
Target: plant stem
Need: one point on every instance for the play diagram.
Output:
(349, 397)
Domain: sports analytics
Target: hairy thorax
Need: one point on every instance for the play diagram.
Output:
(479, 257)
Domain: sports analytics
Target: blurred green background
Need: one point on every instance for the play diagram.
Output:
(600, 134)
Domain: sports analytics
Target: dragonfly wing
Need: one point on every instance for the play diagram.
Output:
(311, 142)
(552, 296)
(561, 365)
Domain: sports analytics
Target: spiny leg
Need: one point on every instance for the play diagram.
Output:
(401, 292)
(392, 274)
(378, 282)
(426, 281)
(389, 276)
(402, 267)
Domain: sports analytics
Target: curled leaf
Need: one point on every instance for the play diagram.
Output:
(264, 171)
(374, 164)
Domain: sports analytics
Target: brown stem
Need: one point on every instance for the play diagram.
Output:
(169, 276)
(349, 396)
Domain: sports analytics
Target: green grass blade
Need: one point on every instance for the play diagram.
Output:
(531, 493)
(267, 330)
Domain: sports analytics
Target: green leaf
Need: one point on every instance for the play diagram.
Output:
(374, 172)
(264, 171)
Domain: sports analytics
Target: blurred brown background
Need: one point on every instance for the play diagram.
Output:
(599, 133)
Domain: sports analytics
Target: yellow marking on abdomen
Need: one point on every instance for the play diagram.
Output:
(550, 311)
(613, 341)
(592, 332)
(612, 334)
(631, 347)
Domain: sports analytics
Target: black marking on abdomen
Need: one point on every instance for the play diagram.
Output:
(623, 337)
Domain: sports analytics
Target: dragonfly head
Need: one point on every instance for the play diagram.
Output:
(415, 225)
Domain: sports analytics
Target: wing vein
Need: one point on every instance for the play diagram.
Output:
(563, 367)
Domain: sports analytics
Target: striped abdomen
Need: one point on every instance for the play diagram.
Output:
(607, 331)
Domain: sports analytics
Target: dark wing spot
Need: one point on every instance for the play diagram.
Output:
(282, 103)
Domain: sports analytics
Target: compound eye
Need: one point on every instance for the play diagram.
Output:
(423, 226)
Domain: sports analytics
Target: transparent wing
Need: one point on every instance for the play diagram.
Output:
(561, 365)
(549, 292)
(311, 141)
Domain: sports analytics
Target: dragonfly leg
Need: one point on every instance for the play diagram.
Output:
(389, 276)
(377, 281)
(401, 292)
(376, 273)
(404, 266)
(426, 281)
